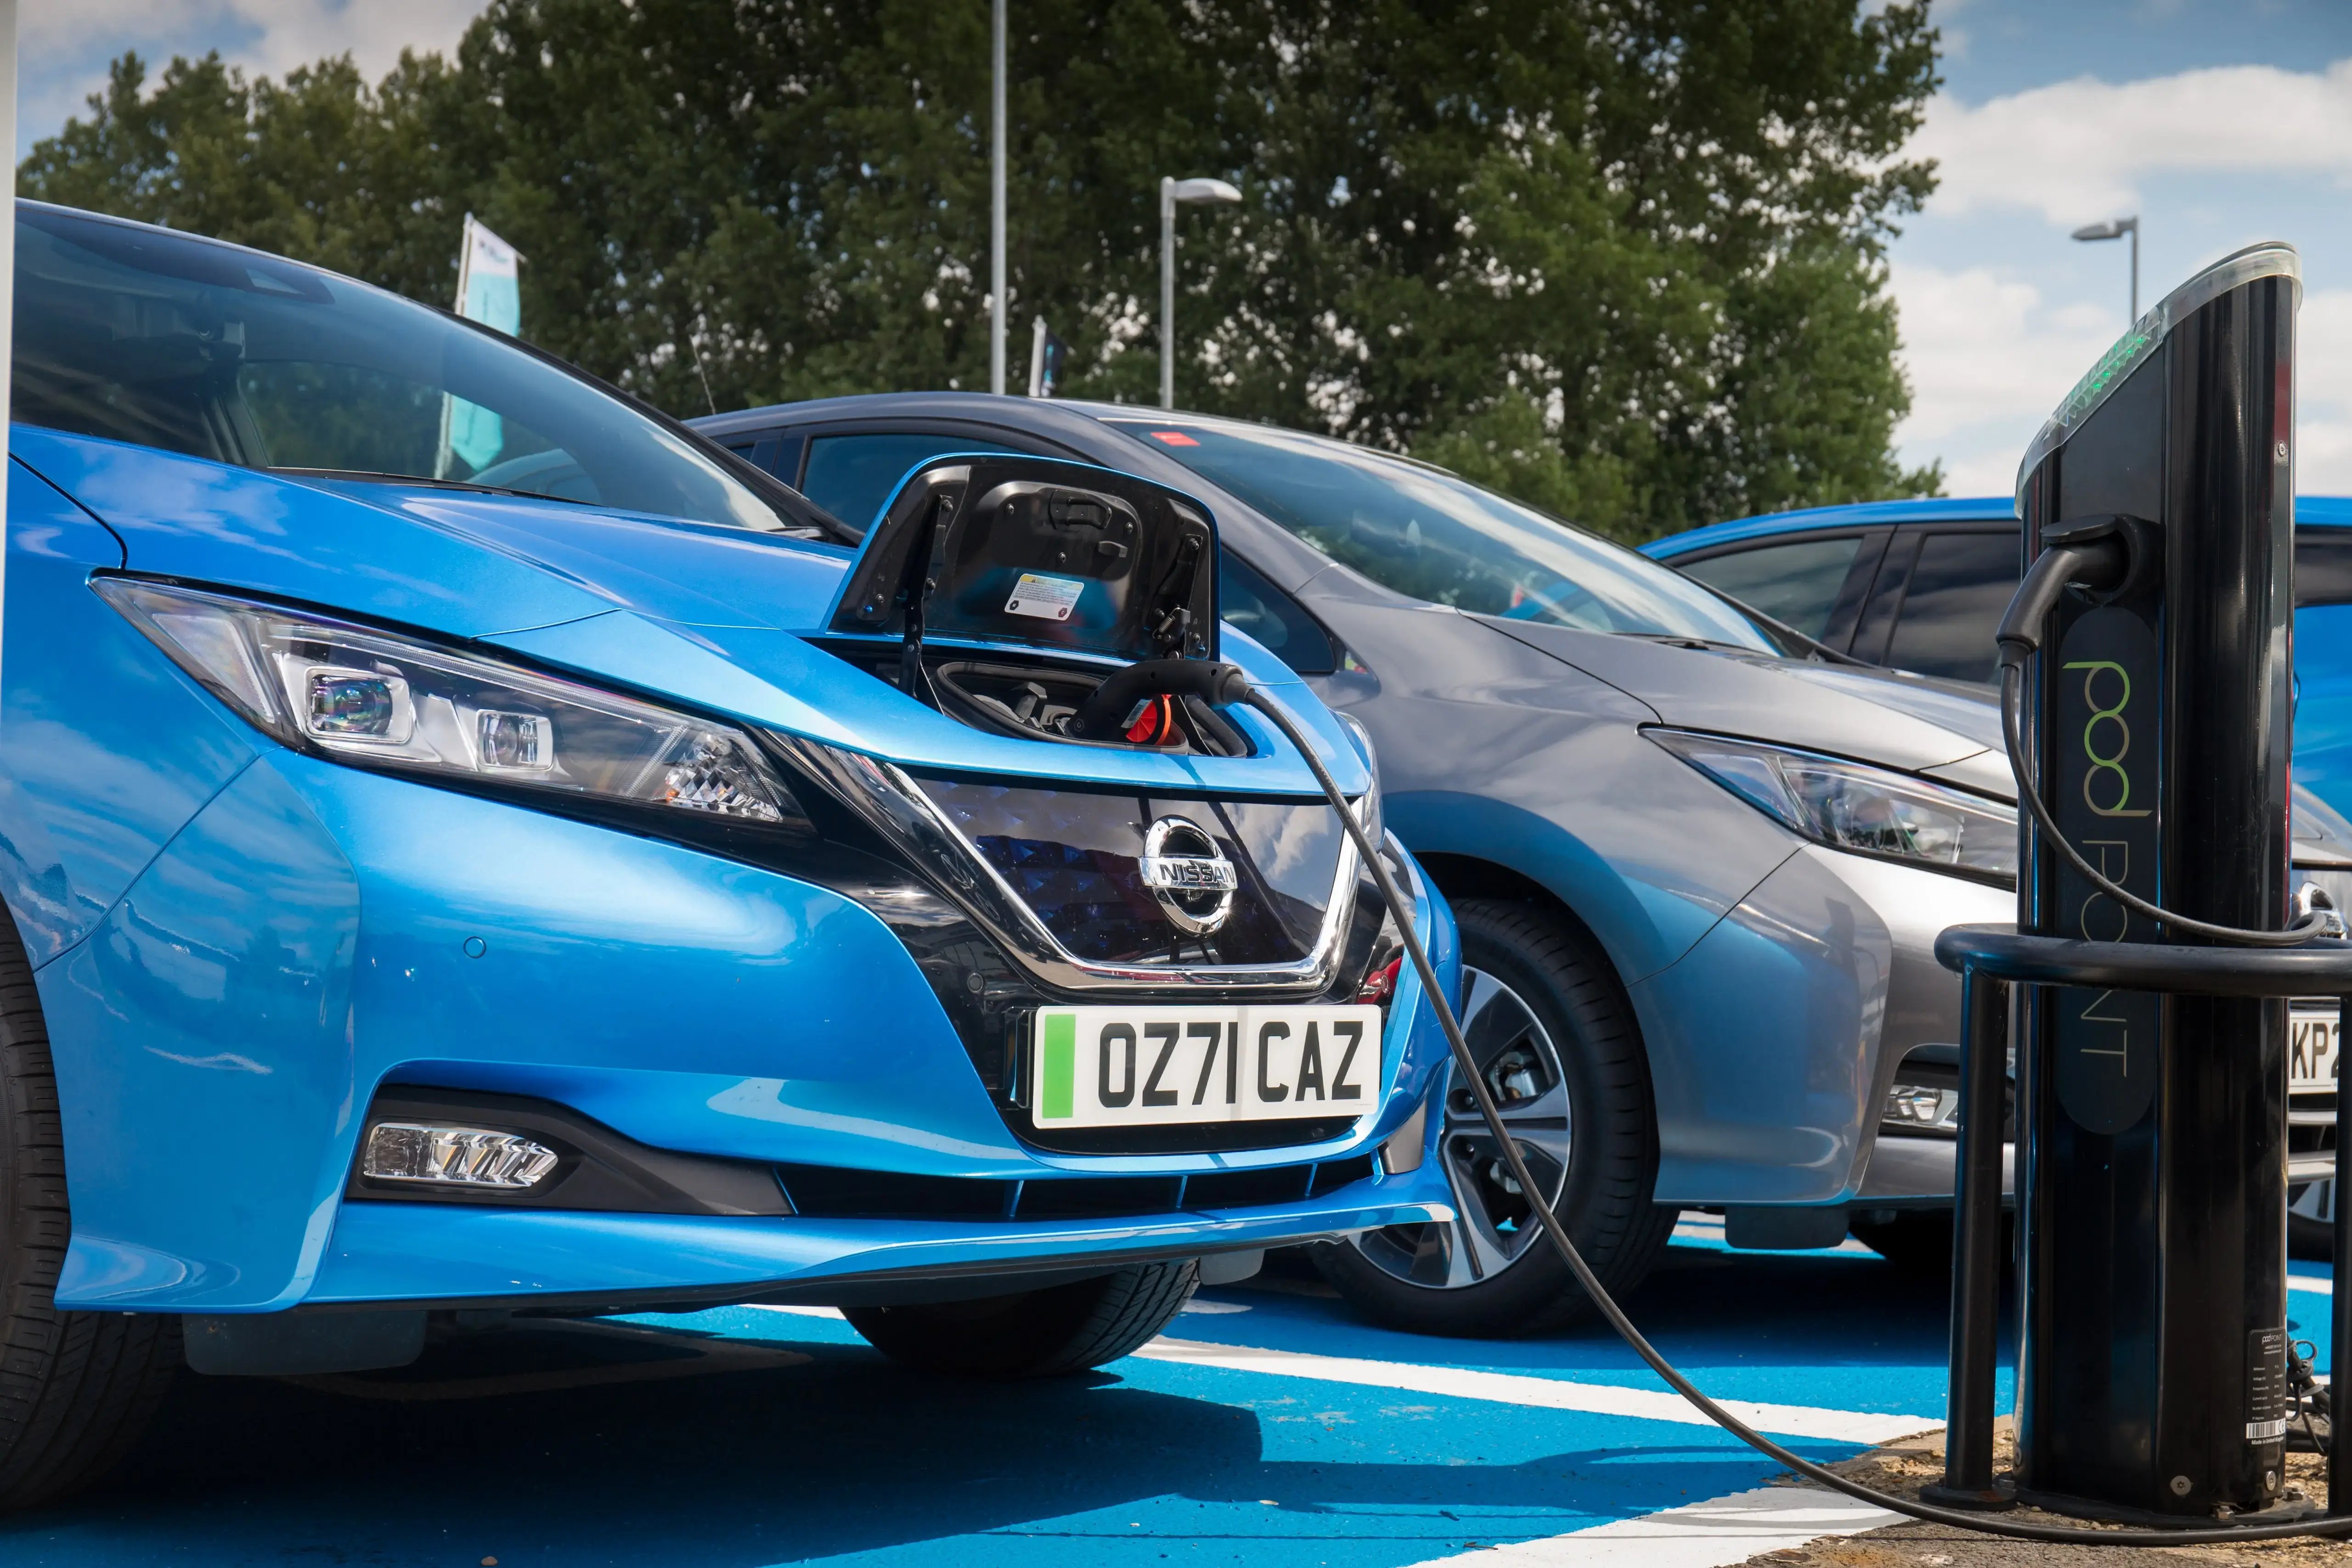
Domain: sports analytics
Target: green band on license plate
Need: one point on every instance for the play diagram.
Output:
(1060, 1064)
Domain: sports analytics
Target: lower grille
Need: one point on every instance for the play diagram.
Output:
(828, 1192)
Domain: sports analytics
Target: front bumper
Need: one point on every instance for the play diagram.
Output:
(1773, 1041)
(316, 932)
(527, 1259)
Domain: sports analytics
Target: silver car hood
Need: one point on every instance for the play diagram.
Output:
(1876, 716)
(1942, 729)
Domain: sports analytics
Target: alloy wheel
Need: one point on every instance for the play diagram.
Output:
(1494, 1222)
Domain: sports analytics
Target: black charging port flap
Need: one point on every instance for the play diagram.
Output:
(1008, 549)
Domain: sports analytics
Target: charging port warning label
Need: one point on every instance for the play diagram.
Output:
(1046, 598)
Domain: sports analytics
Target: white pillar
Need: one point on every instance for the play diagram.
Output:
(1167, 292)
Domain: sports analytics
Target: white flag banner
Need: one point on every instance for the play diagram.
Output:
(489, 273)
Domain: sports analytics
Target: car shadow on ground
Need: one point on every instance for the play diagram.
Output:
(826, 1450)
(1756, 1310)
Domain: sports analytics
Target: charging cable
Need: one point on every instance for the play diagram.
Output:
(1236, 687)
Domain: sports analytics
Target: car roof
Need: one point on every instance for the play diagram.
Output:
(2316, 511)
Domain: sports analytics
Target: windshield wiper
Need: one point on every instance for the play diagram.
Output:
(378, 477)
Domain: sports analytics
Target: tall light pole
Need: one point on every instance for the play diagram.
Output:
(1172, 192)
(2115, 228)
(996, 312)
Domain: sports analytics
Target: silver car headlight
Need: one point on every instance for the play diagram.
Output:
(1368, 804)
(1858, 807)
(371, 698)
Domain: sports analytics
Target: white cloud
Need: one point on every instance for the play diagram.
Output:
(1989, 359)
(2323, 353)
(268, 35)
(63, 48)
(2073, 151)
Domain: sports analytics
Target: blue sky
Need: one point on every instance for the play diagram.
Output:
(2219, 122)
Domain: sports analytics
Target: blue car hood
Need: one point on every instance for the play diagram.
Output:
(708, 614)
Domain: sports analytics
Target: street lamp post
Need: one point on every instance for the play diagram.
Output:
(996, 312)
(2115, 228)
(1172, 192)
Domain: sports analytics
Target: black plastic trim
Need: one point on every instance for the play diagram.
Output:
(601, 1170)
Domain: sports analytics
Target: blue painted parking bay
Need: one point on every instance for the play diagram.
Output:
(1268, 1428)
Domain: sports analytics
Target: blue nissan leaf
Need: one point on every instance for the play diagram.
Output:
(472, 846)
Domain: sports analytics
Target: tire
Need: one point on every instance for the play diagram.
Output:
(77, 1389)
(1544, 1010)
(1059, 1329)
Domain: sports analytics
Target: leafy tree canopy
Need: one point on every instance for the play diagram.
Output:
(1620, 258)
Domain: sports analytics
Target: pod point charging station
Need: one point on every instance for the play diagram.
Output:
(2154, 703)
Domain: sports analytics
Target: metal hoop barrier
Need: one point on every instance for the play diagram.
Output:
(1989, 959)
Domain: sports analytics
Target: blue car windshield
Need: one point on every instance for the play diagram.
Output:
(1428, 535)
(194, 346)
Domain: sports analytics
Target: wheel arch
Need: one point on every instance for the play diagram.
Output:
(1461, 876)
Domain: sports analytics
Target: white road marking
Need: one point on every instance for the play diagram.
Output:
(1711, 1534)
(2306, 1282)
(1515, 1388)
(1540, 1393)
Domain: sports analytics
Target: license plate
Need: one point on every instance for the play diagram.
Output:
(1127, 1067)
(2311, 1040)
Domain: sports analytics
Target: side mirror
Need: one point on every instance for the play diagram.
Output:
(1002, 548)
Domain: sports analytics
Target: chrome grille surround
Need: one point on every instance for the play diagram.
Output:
(887, 798)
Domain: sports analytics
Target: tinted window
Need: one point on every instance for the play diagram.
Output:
(2323, 566)
(852, 476)
(1441, 539)
(1796, 583)
(192, 346)
(1252, 605)
(1959, 588)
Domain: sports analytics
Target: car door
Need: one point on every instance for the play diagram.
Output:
(1816, 582)
(1939, 594)
(2323, 663)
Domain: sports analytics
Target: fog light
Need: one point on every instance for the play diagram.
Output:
(1922, 1107)
(454, 1156)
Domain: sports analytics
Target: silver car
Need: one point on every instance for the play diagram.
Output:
(1699, 865)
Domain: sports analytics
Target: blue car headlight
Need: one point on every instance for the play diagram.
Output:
(1855, 806)
(371, 698)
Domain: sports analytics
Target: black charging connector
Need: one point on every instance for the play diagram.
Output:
(1233, 687)
(1111, 707)
(2104, 557)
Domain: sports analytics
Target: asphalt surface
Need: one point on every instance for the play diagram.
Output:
(1270, 1427)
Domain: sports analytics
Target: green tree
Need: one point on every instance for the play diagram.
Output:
(1622, 258)
(321, 165)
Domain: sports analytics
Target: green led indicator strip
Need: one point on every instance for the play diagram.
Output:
(1058, 1065)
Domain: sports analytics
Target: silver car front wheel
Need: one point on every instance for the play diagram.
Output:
(1555, 1039)
(1494, 1222)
